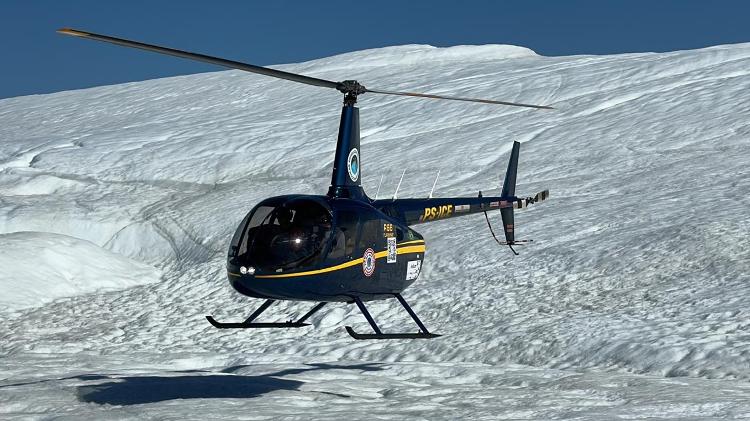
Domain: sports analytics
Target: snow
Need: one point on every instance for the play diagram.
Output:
(117, 204)
(40, 267)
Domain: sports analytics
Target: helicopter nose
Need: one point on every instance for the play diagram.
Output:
(244, 283)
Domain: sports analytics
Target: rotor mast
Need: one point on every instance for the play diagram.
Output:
(346, 177)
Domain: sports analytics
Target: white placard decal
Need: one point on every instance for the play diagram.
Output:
(392, 250)
(412, 269)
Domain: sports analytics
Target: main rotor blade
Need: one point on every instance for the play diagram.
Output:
(455, 98)
(204, 58)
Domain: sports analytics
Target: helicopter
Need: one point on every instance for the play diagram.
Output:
(342, 246)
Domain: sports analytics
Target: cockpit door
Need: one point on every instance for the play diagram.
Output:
(369, 244)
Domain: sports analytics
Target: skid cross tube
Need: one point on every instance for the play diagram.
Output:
(248, 323)
(412, 313)
(260, 310)
(423, 334)
(311, 312)
(366, 313)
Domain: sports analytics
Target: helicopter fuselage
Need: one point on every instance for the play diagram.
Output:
(319, 248)
(327, 248)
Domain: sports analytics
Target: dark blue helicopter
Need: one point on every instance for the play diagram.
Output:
(342, 246)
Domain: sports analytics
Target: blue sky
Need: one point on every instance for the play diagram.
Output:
(37, 60)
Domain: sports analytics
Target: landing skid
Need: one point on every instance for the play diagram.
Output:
(243, 325)
(362, 336)
(248, 323)
(423, 334)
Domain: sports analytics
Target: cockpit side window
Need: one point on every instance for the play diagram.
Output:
(344, 235)
(259, 216)
(238, 235)
(370, 233)
(399, 234)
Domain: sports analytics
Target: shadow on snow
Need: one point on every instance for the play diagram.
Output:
(149, 389)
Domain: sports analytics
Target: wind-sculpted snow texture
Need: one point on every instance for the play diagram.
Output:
(632, 302)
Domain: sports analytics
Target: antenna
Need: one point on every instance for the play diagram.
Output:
(433, 185)
(395, 194)
(378, 191)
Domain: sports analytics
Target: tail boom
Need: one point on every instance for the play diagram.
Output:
(419, 211)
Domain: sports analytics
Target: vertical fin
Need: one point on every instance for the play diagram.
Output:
(509, 190)
(508, 224)
(509, 186)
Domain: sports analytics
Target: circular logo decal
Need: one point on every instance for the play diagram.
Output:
(368, 262)
(352, 164)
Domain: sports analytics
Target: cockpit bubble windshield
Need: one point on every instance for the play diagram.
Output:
(289, 235)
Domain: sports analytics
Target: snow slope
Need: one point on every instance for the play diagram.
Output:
(39, 267)
(631, 303)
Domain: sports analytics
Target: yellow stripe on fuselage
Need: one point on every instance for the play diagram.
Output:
(378, 255)
(407, 250)
(411, 242)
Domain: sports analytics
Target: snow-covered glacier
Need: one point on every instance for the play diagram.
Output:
(117, 204)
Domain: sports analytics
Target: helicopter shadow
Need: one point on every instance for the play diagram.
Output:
(138, 390)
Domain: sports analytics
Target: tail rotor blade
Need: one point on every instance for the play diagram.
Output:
(455, 98)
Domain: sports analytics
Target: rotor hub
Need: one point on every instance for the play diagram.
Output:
(351, 87)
